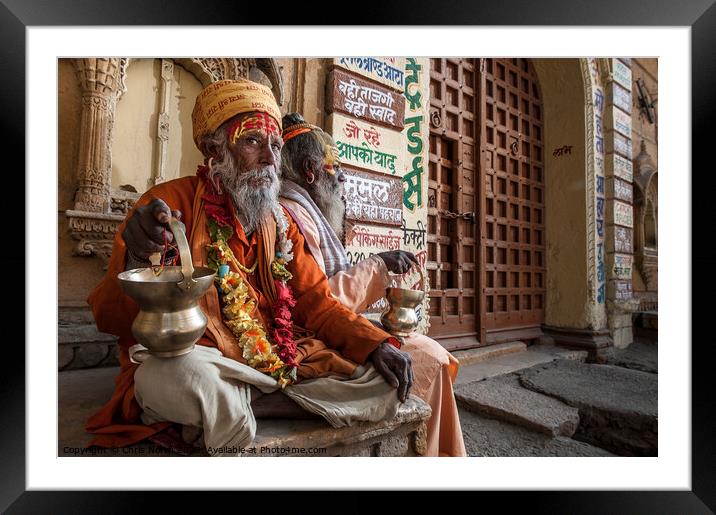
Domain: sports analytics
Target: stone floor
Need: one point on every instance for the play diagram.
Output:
(513, 400)
(547, 402)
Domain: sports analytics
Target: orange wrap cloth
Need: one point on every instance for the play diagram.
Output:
(224, 99)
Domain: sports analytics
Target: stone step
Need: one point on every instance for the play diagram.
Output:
(83, 346)
(503, 398)
(70, 313)
(640, 355)
(82, 333)
(486, 437)
(82, 392)
(514, 362)
(617, 406)
(472, 356)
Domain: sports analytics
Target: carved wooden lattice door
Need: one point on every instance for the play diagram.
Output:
(452, 198)
(513, 223)
(488, 278)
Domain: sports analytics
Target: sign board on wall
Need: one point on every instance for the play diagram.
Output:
(622, 266)
(366, 100)
(364, 240)
(367, 145)
(622, 290)
(622, 73)
(622, 121)
(622, 145)
(385, 70)
(373, 197)
(623, 168)
(621, 98)
(623, 190)
(622, 239)
(623, 214)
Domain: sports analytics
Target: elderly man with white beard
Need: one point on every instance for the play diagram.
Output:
(312, 189)
(273, 326)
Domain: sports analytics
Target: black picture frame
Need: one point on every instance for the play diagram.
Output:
(700, 16)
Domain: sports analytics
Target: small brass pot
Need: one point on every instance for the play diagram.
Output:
(170, 321)
(400, 319)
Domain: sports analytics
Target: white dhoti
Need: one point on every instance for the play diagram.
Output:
(204, 389)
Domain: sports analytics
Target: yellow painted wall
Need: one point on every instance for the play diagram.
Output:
(182, 156)
(135, 125)
(645, 69)
(568, 303)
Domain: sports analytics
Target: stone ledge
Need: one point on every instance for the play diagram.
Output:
(82, 392)
(82, 346)
(514, 362)
(470, 356)
(503, 398)
(618, 407)
(485, 437)
(402, 436)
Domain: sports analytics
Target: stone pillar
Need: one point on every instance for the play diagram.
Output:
(95, 216)
(99, 79)
(163, 122)
(619, 257)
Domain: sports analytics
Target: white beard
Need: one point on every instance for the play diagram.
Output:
(253, 202)
(328, 198)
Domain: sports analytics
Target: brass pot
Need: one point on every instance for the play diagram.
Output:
(400, 319)
(170, 321)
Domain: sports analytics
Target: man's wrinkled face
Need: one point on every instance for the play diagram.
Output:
(334, 175)
(249, 171)
(254, 139)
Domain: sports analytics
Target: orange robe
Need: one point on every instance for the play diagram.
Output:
(342, 338)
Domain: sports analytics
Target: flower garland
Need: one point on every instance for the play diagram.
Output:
(278, 360)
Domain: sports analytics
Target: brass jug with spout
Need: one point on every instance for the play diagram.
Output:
(170, 321)
(400, 319)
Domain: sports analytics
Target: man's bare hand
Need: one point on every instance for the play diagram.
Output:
(396, 367)
(144, 232)
(398, 261)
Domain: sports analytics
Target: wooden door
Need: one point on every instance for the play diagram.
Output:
(485, 202)
(452, 203)
(512, 221)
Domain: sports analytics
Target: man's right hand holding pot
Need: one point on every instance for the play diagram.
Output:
(147, 228)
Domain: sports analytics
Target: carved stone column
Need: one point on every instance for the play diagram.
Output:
(94, 219)
(99, 79)
(163, 121)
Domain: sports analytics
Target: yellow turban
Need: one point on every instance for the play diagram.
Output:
(224, 99)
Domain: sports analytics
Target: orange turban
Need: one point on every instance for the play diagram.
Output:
(224, 99)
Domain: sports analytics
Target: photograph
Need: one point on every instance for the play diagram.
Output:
(358, 256)
(422, 238)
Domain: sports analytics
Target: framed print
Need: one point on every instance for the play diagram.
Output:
(370, 108)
